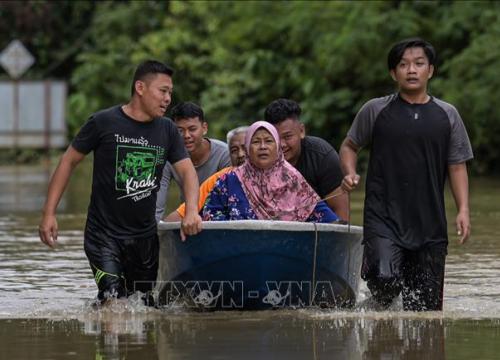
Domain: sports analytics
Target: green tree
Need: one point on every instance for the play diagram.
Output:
(235, 57)
(107, 64)
(54, 32)
(469, 75)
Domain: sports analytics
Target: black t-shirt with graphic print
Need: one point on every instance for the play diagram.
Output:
(411, 148)
(129, 157)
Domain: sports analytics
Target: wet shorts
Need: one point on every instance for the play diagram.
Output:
(418, 275)
(121, 266)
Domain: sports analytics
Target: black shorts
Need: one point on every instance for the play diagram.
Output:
(418, 275)
(121, 266)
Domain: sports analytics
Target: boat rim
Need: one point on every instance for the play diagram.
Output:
(272, 225)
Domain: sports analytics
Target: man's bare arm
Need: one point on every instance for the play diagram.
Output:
(459, 183)
(48, 226)
(348, 160)
(191, 223)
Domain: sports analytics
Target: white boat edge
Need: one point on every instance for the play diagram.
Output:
(267, 225)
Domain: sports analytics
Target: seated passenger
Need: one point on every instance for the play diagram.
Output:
(237, 153)
(315, 158)
(265, 187)
(207, 155)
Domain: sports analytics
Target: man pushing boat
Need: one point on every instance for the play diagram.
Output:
(131, 144)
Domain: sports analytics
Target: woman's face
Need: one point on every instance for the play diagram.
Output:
(263, 149)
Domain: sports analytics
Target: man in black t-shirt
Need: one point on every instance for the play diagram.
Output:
(131, 144)
(315, 159)
(416, 141)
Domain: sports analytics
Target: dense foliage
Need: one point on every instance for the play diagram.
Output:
(235, 57)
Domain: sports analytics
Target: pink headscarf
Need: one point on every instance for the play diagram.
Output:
(277, 193)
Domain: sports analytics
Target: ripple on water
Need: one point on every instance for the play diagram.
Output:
(39, 282)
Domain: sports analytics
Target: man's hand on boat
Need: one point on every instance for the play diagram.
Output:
(190, 225)
(48, 230)
(350, 182)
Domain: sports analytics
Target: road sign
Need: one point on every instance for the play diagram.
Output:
(16, 59)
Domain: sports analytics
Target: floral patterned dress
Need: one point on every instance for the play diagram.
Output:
(227, 201)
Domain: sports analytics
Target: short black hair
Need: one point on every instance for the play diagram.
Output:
(397, 51)
(281, 109)
(150, 67)
(187, 110)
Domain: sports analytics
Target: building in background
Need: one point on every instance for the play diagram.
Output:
(32, 112)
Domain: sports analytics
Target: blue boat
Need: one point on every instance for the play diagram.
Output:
(257, 265)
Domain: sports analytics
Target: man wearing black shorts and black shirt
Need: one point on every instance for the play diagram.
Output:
(416, 141)
(131, 144)
(316, 159)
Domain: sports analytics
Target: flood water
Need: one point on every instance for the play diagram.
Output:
(45, 296)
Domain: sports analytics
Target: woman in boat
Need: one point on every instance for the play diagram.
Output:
(265, 187)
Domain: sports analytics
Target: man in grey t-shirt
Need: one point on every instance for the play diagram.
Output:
(417, 141)
(208, 155)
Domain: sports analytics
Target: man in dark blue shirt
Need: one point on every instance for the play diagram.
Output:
(416, 141)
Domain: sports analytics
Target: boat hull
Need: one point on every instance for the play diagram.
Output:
(256, 265)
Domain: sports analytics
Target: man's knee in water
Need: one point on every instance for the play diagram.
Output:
(114, 292)
(425, 295)
(111, 287)
(384, 288)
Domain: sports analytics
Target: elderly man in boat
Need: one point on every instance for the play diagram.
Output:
(265, 187)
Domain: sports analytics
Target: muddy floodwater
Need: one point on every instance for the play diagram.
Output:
(45, 297)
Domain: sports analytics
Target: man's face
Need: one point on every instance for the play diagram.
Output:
(413, 71)
(155, 93)
(291, 132)
(192, 130)
(237, 149)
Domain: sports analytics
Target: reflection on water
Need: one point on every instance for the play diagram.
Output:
(23, 188)
(298, 337)
(266, 335)
(37, 283)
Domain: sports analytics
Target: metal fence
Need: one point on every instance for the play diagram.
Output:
(32, 114)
